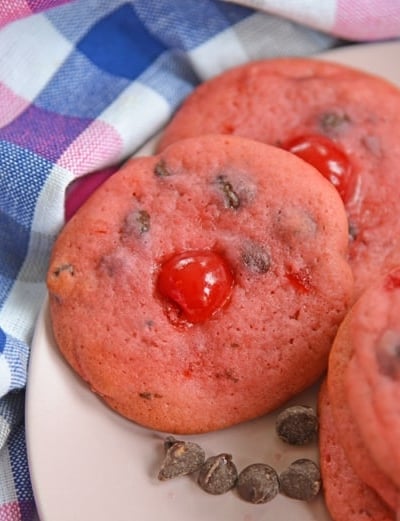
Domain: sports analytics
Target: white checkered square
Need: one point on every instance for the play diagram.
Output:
(321, 15)
(136, 115)
(5, 379)
(35, 51)
(217, 54)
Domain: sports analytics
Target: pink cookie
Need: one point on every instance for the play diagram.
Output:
(280, 100)
(347, 428)
(263, 222)
(373, 375)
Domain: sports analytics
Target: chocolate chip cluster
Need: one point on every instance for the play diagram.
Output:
(258, 482)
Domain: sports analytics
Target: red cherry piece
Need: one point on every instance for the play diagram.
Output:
(393, 280)
(328, 158)
(300, 280)
(199, 283)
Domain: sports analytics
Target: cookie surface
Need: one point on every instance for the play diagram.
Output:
(276, 101)
(346, 496)
(280, 227)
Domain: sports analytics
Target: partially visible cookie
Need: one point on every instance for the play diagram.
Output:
(373, 375)
(347, 428)
(203, 286)
(347, 497)
(323, 111)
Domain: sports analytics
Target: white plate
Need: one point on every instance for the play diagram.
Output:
(87, 463)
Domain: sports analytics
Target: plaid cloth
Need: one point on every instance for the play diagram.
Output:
(83, 84)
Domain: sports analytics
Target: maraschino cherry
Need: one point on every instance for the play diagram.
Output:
(327, 157)
(198, 283)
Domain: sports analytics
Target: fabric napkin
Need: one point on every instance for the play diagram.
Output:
(83, 85)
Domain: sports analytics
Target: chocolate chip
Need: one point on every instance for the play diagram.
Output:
(301, 480)
(232, 199)
(373, 144)
(258, 483)
(297, 425)
(256, 259)
(161, 169)
(353, 231)
(293, 225)
(64, 268)
(218, 474)
(111, 264)
(332, 123)
(388, 354)
(387, 362)
(143, 221)
(227, 374)
(181, 458)
(149, 396)
(136, 222)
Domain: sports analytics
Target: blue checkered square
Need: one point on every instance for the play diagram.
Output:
(74, 19)
(22, 175)
(80, 89)
(171, 76)
(120, 44)
(183, 24)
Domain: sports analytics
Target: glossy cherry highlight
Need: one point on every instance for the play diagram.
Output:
(327, 157)
(197, 283)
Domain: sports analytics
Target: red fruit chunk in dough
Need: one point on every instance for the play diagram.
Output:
(198, 282)
(328, 158)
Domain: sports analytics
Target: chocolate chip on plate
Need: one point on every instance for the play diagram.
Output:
(301, 480)
(181, 458)
(218, 474)
(258, 483)
(297, 425)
